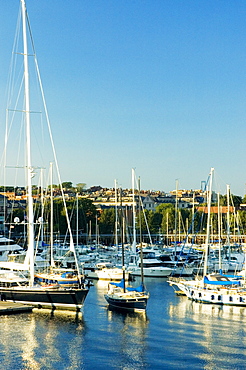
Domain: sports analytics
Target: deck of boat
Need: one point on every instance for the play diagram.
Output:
(7, 308)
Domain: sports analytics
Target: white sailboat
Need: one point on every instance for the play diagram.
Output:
(213, 288)
(140, 263)
(7, 247)
(36, 295)
(106, 270)
(52, 275)
(152, 267)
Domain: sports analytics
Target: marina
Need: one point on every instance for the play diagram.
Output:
(118, 278)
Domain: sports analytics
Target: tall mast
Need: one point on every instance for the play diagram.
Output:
(42, 205)
(228, 221)
(134, 243)
(116, 214)
(140, 234)
(28, 149)
(208, 223)
(122, 242)
(175, 221)
(52, 262)
(167, 228)
(219, 232)
(77, 218)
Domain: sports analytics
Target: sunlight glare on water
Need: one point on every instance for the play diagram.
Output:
(174, 333)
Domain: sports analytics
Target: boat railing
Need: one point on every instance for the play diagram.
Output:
(179, 279)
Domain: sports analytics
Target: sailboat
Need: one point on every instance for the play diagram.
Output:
(53, 275)
(53, 297)
(214, 288)
(127, 298)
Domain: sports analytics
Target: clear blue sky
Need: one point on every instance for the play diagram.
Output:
(159, 85)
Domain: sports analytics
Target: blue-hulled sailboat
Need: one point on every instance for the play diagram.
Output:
(127, 298)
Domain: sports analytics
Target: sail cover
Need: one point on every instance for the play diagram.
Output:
(220, 280)
(141, 287)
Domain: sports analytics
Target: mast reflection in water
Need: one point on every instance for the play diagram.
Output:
(174, 333)
(41, 341)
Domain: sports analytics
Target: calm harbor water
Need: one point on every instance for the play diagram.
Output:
(174, 334)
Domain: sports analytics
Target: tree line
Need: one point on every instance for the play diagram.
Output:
(166, 219)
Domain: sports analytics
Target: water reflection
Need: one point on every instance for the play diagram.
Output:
(132, 330)
(61, 316)
(121, 336)
(186, 308)
(41, 340)
(216, 333)
(137, 319)
(175, 333)
(29, 345)
(111, 339)
(64, 337)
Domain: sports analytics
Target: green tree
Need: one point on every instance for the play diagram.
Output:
(107, 221)
(242, 221)
(53, 186)
(235, 200)
(80, 187)
(167, 211)
(140, 218)
(154, 220)
(86, 213)
(67, 185)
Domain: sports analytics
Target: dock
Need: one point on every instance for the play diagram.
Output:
(7, 308)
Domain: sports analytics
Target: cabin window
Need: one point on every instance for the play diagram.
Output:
(219, 297)
(199, 295)
(230, 299)
(240, 299)
(212, 297)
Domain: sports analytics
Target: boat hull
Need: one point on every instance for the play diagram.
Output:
(209, 295)
(152, 272)
(107, 275)
(61, 299)
(218, 297)
(44, 279)
(127, 304)
(181, 271)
